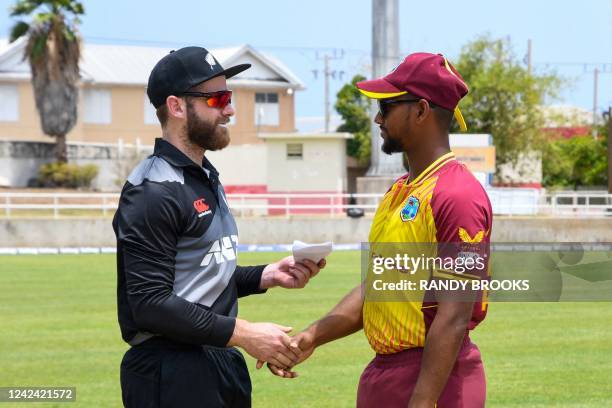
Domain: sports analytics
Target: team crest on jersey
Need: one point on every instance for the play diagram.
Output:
(201, 207)
(410, 210)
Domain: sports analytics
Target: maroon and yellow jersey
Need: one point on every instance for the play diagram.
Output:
(444, 204)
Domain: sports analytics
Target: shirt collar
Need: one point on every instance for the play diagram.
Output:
(208, 166)
(433, 167)
(174, 156)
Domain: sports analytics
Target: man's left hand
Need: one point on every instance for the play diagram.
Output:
(289, 274)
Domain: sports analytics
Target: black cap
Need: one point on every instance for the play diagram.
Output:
(183, 69)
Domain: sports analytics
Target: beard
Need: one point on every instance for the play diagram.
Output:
(207, 135)
(390, 145)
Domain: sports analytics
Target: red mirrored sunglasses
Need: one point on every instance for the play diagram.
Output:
(219, 99)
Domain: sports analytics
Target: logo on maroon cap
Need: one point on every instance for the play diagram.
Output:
(394, 68)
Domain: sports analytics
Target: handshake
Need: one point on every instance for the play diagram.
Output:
(269, 343)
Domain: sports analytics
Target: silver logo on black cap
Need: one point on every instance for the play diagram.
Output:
(210, 59)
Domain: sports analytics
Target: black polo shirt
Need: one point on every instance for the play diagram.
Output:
(177, 273)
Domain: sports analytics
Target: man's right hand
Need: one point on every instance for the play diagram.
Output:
(344, 319)
(266, 342)
(304, 341)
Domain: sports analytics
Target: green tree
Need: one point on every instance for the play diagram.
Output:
(504, 99)
(354, 108)
(53, 51)
(579, 161)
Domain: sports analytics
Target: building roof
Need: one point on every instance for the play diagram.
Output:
(130, 65)
(568, 132)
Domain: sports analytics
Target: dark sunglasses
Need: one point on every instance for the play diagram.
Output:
(384, 104)
(219, 99)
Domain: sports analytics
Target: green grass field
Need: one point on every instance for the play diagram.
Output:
(59, 328)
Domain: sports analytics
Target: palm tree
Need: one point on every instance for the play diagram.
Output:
(53, 51)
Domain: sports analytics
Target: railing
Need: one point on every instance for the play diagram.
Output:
(57, 204)
(595, 203)
(301, 204)
(505, 201)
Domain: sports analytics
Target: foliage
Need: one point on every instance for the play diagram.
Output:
(579, 161)
(354, 108)
(504, 99)
(53, 51)
(61, 174)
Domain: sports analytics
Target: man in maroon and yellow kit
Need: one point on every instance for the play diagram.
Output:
(424, 356)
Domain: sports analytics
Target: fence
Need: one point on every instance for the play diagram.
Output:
(505, 201)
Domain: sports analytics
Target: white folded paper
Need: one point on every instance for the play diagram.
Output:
(314, 252)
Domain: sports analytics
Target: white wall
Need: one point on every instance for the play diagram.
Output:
(322, 168)
(241, 165)
(79, 232)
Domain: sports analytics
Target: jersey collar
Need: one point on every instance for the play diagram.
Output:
(433, 167)
(171, 154)
(175, 157)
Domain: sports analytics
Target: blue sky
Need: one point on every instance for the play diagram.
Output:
(569, 37)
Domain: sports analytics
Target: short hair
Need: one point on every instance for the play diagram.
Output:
(444, 117)
(162, 111)
(162, 114)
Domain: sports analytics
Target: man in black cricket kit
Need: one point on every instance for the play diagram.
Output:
(177, 276)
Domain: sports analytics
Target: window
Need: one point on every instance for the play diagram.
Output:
(97, 106)
(266, 109)
(150, 118)
(9, 108)
(295, 151)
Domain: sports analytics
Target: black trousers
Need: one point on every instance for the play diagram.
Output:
(160, 373)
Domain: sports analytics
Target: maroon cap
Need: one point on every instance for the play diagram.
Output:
(429, 76)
